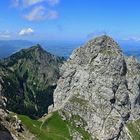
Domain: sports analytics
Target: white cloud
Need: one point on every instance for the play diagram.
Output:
(26, 32)
(133, 38)
(40, 13)
(27, 3)
(31, 2)
(5, 34)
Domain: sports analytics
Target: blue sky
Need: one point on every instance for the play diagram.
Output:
(69, 19)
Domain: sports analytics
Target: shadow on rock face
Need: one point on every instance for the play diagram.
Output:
(5, 134)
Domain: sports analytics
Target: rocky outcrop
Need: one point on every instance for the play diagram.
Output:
(102, 87)
(11, 127)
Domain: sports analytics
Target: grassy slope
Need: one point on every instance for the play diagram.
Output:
(134, 129)
(53, 128)
(81, 130)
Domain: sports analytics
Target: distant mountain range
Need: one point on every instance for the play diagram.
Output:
(61, 48)
(8, 47)
(131, 48)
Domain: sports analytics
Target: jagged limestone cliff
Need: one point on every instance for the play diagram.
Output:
(99, 90)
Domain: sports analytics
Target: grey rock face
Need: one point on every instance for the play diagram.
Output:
(133, 79)
(100, 85)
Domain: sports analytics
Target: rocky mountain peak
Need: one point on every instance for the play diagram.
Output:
(103, 41)
(103, 46)
(96, 85)
(36, 48)
(32, 51)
